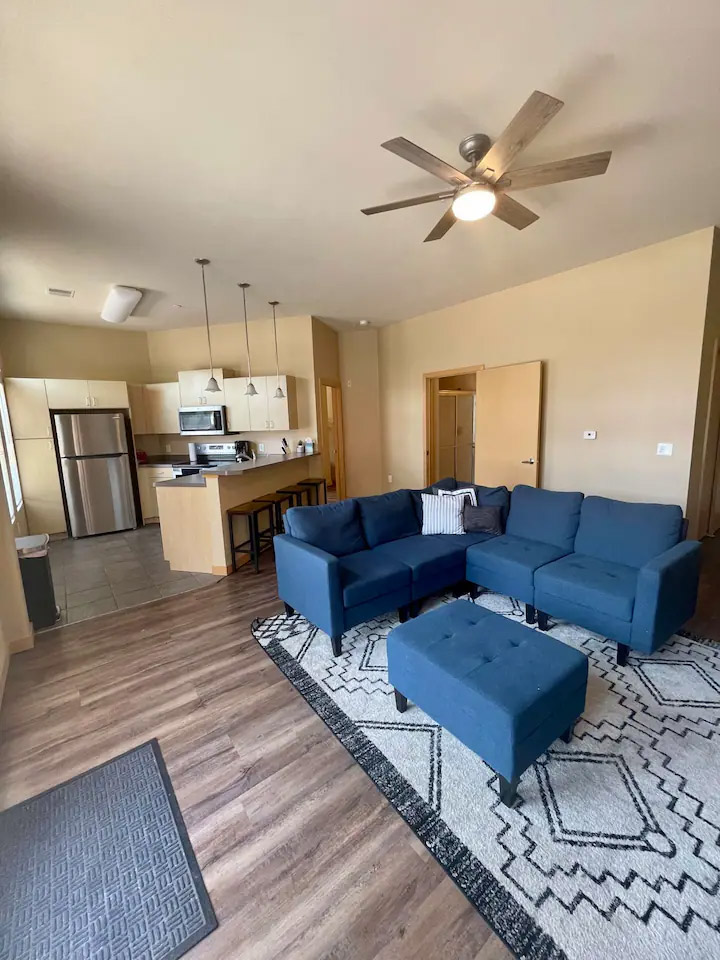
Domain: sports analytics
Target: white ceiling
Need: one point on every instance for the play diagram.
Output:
(139, 135)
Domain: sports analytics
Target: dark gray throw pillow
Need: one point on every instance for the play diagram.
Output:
(482, 519)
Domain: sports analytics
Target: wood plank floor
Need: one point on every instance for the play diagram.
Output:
(303, 857)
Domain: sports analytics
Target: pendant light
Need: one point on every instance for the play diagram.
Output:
(251, 391)
(279, 395)
(212, 385)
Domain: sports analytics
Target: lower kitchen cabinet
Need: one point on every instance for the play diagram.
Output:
(147, 477)
(40, 482)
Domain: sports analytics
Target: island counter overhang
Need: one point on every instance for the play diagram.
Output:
(193, 510)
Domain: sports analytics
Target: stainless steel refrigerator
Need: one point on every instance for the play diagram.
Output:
(95, 470)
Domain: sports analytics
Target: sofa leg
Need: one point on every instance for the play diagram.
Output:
(459, 589)
(288, 609)
(400, 702)
(474, 591)
(414, 608)
(567, 736)
(622, 654)
(530, 613)
(336, 645)
(403, 613)
(508, 790)
(542, 621)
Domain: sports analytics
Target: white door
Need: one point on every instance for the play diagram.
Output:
(258, 404)
(278, 410)
(28, 406)
(67, 394)
(162, 401)
(109, 394)
(236, 404)
(40, 484)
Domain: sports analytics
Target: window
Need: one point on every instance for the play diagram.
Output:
(8, 463)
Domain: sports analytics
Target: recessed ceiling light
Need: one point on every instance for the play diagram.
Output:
(60, 292)
(178, 306)
(364, 323)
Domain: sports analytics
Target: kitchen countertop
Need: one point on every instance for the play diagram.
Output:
(167, 460)
(232, 469)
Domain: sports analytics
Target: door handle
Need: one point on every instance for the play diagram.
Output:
(531, 460)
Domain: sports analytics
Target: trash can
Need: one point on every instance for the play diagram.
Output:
(33, 555)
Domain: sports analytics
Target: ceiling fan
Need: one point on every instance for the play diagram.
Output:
(484, 187)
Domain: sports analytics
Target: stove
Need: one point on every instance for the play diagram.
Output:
(213, 455)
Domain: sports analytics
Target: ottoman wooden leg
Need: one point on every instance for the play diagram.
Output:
(567, 736)
(288, 609)
(508, 790)
(542, 621)
(336, 645)
(622, 654)
(530, 613)
(400, 702)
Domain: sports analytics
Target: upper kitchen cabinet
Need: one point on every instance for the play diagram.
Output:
(161, 407)
(76, 394)
(193, 383)
(138, 408)
(267, 412)
(237, 407)
(28, 406)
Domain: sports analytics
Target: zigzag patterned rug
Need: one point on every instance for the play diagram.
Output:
(614, 849)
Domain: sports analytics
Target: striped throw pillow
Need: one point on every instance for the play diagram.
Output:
(442, 514)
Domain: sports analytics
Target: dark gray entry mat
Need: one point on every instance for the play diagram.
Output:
(102, 867)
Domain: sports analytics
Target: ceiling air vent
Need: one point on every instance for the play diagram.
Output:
(59, 292)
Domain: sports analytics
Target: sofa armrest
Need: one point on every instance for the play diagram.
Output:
(666, 595)
(309, 581)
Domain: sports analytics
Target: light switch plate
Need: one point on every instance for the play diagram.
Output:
(589, 434)
(261, 448)
(664, 449)
(389, 478)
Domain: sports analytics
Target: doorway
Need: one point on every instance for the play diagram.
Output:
(456, 427)
(332, 441)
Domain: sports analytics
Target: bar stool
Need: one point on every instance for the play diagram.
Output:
(315, 483)
(277, 500)
(258, 537)
(297, 491)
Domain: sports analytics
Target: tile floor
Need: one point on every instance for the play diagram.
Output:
(99, 574)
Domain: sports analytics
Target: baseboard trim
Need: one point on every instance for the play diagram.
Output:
(4, 664)
(221, 571)
(22, 643)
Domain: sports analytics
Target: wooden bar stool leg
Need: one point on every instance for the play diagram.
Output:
(324, 491)
(232, 545)
(255, 541)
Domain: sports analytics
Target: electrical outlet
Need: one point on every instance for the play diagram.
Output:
(389, 478)
(589, 434)
(664, 449)
(168, 448)
(261, 448)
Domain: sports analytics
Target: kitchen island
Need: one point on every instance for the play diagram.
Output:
(193, 509)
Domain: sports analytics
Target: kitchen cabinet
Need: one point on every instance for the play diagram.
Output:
(161, 407)
(138, 408)
(40, 481)
(237, 407)
(77, 394)
(192, 387)
(28, 406)
(269, 413)
(147, 477)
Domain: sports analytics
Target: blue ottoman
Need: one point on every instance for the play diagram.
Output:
(506, 691)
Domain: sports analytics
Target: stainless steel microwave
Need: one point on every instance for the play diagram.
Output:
(202, 421)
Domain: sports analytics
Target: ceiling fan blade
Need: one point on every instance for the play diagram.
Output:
(538, 109)
(412, 202)
(442, 226)
(513, 212)
(421, 158)
(591, 165)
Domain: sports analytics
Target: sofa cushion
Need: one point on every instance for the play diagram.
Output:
(447, 483)
(544, 515)
(426, 555)
(482, 520)
(599, 584)
(628, 533)
(491, 497)
(333, 527)
(388, 516)
(366, 575)
(508, 564)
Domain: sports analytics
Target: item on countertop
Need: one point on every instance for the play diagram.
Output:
(141, 456)
(309, 446)
(467, 493)
(300, 448)
(482, 519)
(285, 447)
(192, 452)
(442, 514)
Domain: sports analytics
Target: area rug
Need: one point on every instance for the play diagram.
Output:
(101, 867)
(613, 850)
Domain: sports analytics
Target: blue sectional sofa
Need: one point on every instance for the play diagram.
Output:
(619, 569)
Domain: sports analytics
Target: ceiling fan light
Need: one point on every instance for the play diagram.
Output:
(251, 391)
(474, 202)
(212, 386)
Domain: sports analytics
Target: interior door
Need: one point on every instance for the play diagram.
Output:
(465, 438)
(507, 425)
(446, 436)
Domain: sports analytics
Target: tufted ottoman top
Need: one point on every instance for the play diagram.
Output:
(485, 665)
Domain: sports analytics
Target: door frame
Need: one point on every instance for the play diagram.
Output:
(431, 393)
(336, 388)
(702, 483)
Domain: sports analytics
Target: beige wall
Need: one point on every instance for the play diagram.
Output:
(360, 377)
(31, 349)
(621, 340)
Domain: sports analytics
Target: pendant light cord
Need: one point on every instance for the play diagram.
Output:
(207, 320)
(273, 304)
(247, 338)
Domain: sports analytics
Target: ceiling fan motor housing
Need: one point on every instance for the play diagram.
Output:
(474, 147)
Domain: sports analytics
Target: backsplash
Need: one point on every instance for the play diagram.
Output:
(157, 444)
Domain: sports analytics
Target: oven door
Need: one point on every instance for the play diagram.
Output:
(202, 421)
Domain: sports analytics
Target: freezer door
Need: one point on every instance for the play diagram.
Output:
(99, 495)
(90, 434)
